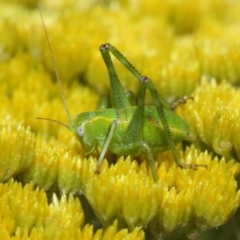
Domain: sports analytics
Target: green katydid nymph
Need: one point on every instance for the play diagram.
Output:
(124, 129)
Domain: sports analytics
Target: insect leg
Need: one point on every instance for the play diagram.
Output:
(135, 130)
(118, 96)
(150, 159)
(180, 101)
(106, 144)
(135, 127)
(131, 97)
(103, 103)
(157, 101)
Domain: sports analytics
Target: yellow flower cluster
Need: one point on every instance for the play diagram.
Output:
(124, 191)
(26, 214)
(214, 117)
(175, 43)
(218, 53)
(17, 147)
(179, 199)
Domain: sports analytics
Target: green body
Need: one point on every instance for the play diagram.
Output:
(96, 126)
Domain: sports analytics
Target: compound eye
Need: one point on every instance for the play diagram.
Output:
(80, 130)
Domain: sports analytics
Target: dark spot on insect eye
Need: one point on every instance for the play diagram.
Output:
(80, 131)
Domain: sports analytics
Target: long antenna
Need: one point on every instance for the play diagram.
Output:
(56, 72)
(56, 121)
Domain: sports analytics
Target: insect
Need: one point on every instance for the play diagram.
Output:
(125, 129)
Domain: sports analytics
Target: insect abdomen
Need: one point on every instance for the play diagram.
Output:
(153, 133)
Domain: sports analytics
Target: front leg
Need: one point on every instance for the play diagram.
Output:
(108, 139)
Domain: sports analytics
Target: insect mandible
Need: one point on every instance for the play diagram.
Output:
(125, 129)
